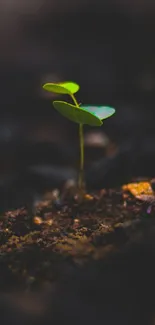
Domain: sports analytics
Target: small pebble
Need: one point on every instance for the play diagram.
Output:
(125, 204)
(88, 197)
(76, 223)
(125, 196)
(49, 222)
(37, 220)
(149, 209)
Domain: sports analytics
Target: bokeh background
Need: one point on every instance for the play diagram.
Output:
(108, 48)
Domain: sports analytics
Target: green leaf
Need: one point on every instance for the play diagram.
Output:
(77, 114)
(102, 112)
(62, 88)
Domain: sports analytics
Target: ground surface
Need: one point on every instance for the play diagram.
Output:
(62, 261)
(36, 246)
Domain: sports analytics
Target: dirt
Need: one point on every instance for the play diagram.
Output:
(81, 262)
(61, 232)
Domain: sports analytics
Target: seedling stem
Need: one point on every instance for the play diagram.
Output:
(81, 172)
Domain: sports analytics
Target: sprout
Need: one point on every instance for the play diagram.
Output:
(90, 115)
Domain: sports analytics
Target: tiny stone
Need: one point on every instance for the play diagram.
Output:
(49, 222)
(149, 209)
(76, 223)
(125, 204)
(37, 220)
(89, 197)
(76, 220)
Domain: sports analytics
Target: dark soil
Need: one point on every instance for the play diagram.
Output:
(91, 261)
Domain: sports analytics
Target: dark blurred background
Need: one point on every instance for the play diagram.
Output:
(108, 48)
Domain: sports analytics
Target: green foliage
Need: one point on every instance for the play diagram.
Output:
(76, 114)
(102, 112)
(91, 115)
(62, 88)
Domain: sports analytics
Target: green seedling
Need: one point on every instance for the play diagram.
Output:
(90, 115)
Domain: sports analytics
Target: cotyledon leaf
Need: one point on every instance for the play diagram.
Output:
(67, 87)
(102, 112)
(77, 114)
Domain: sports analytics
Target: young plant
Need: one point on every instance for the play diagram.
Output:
(90, 115)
